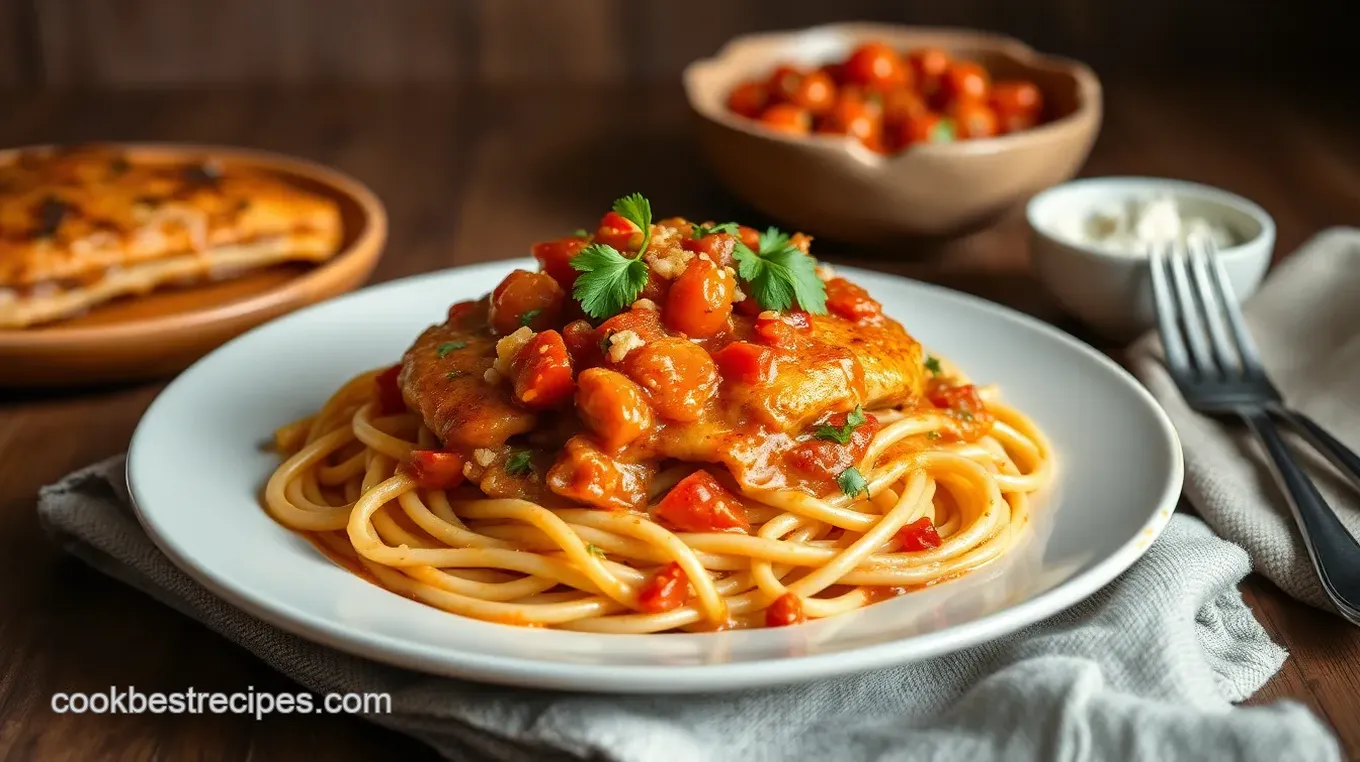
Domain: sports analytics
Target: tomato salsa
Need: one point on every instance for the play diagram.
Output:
(890, 100)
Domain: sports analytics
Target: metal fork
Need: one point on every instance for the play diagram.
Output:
(1220, 373)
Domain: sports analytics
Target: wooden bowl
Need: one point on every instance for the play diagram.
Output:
(830, 185)
(163, 332)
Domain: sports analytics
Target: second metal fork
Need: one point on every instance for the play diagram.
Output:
(1216, 366)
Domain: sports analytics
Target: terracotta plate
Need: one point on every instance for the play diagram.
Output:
(163, 332)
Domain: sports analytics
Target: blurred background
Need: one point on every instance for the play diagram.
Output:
(104, 44)
(486, 125)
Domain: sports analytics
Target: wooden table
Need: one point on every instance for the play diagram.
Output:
(477, 174)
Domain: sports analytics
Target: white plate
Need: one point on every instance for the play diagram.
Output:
(197, 467)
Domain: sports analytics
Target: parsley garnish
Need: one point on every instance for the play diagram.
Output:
(451, 375)
(611, 281)
(595, 550)
(852, 482)
(933, 435)
(444, 349)
(518, 463)
(841, 434)
(581, 233)
(529, 316)
(781, 274)
(699, 231)
(966, 415)
(932, 365)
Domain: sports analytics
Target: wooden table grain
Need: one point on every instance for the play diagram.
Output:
(479, 173)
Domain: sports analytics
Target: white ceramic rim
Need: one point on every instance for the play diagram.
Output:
(657, 678)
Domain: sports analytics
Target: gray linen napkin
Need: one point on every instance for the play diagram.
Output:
(1146, 669)
(1306, 322)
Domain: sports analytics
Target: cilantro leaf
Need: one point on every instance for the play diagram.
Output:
(518, 463)
(772, 240)
(636, 209)
(609, 280)
(699, 231)
(595, 550)
(444, 349)
(933, 435)
(852, 482)
(529, 316)
(842, 434)
(581, 233)
(932, 365)
(612, 281)
(780, 274)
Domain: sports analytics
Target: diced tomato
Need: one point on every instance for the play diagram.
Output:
(643, 322)
(679, 376)
(542, 372)
(616, 231)
(900, 105)
(816, 92)
(745, 363)
(971, 420)
(700, 504)
(973, 119)
(461, 311)
(585, 473)
(961, 397)
(781, 329)
(925, 128)
(666, 591)
(579, 336)
(700, 300)
(963, 81)
(826, 458)
(718, 247)
(749, 236)
(783, 83)
(525, 299)
(787, 609)
(656, 288)
(555, 259)
(918, 535)
(435, 469)
(612, 406)
(749, 99)
(878, 65)
(928, 65)
(855, 118)
(786, 117)
(390, 401)
(850, 301)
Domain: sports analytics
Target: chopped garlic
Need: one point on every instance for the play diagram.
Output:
(825, 272)
(738, 295)
(623, 342)
(491, 376)
(483, 456)
(668, 260)
(646, 304)
(507, 348)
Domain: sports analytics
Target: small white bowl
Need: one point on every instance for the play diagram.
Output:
(1110, 290)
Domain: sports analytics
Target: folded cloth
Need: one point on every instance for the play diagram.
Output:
(1306, 323)
(1146, 669)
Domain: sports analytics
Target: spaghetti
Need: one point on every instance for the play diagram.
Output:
(704, 501)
